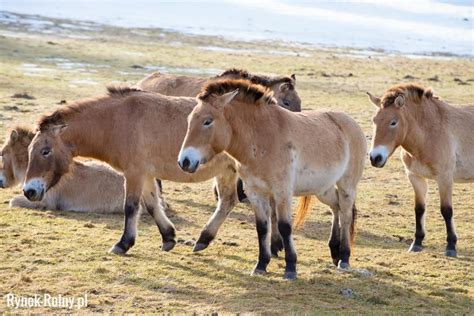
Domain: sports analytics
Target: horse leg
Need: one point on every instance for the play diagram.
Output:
(283, 212)
(445, 192)
(155, 205)
(420, 187)
(276, 241)
(331, 199)
(240, 191)
(262, 209)
(133, 191)
(227, 198)
(346, 218)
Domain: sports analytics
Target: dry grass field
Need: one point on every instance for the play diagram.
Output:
(66, 253)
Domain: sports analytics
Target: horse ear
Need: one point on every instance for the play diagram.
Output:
(293, 77)
(399, 101)
(58, 129)
(14, 135)
(374, 100)
(227, 98)
(286, 86)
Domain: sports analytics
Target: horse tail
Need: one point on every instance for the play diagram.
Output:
(353, 223)
(302, 210)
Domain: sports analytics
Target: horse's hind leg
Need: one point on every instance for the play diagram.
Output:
(346, 195)
(133, 191)
(276, 241)
(420, 187)
(227, 198)
(330, 198)
(283, 210)
(155, 205)
(445, 186)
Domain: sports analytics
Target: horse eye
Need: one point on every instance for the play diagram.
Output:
(286, 103)
(393, 123)
(207, 122)
(45, 152)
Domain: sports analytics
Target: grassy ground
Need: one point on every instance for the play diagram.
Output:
(65, 253)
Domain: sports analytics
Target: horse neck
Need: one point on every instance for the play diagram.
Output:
(421, 121)
(85, 133)
(249, 123)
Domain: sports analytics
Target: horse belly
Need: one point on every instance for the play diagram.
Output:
(310, 181)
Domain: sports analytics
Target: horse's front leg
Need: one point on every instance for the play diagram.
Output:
(155, 205)
(420, 187)
(283, 212)
(445, 185)
(133, 192)
(227, 198)
(262, 210)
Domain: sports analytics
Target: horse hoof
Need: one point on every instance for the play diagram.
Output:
(117, 250)
(343, 265)
(200, 246)
(415, 248)
(168, 245)
(258, 272)
(290, 275)
(450, 253)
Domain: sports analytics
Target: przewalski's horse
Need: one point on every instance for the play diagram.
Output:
(138, 133)
(279, 154)
(87, 187)
(437, 143)
(284, 87)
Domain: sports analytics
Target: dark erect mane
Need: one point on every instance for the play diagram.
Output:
(121, 91)
(59, 116)
(234, 73)
(247, 91)
(412, 91)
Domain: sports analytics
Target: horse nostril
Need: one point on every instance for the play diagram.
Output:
(186, 163)
(29, 193)
(375, 160)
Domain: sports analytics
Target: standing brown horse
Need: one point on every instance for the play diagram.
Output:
(279, 155)
(283, 87)
(437, 143)
(136, 132)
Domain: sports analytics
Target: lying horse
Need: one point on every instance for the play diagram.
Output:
(437, 143)
(279, 154)
(185, 86)
(138, 133)
(81, 190)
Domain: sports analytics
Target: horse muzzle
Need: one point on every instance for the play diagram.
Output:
(189, 159)
(33, 195)
(34, 190)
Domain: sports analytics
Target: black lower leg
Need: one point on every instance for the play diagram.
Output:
(263, 256)
(334, 245)
(128, 237)
(290, 254)
(420, 231)
(205, 238)
(240, 191)
(447, 212)
(344, 253)
(167, 233)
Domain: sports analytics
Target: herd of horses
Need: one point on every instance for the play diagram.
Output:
(248, 133)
